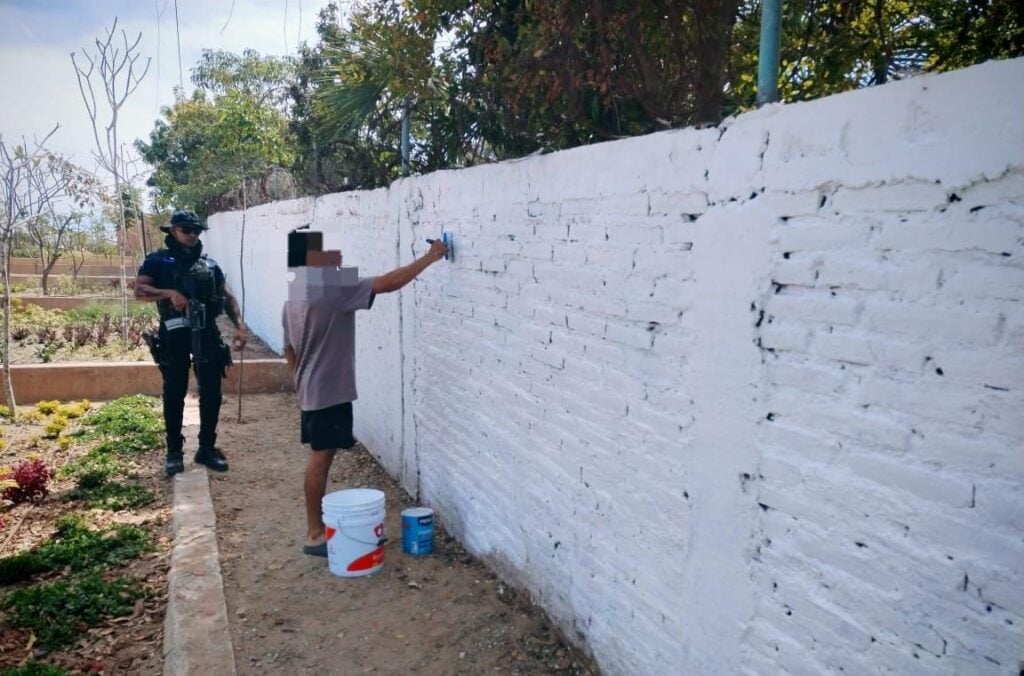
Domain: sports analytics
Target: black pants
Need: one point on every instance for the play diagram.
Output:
(175, 363)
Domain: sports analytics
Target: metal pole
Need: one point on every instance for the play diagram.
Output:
(768, 56)
(405, 137)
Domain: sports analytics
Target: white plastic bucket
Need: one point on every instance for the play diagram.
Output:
(355, 531)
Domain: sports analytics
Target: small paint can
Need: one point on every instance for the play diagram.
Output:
(418, 531)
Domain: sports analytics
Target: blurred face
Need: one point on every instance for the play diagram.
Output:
(186, 235)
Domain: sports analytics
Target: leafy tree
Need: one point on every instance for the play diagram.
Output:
(203, 148)
(830, 46)
(353, 89)
(265, 79)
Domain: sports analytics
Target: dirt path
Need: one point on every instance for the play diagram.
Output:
(443, 614)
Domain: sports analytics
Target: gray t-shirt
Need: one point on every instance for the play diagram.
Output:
(322, 333)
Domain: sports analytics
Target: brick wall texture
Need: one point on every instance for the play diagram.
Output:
(746, 399)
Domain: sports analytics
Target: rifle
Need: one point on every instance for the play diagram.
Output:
(197, 320)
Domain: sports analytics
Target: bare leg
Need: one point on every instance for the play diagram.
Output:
(315, 485)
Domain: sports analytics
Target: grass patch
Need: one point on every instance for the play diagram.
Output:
(115, 497)
(78, 548)
(130, 424)
(55, 612)
(95, 468)
(93, 312)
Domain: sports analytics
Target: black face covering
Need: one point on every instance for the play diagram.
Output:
(183, 253)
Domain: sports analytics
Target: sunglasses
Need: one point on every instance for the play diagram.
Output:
(189, 230)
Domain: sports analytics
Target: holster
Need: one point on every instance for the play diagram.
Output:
(225, 359)
(153, 343)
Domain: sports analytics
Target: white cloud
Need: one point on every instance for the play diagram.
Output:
(40, 85)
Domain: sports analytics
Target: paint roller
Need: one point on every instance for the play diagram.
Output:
(449, 241)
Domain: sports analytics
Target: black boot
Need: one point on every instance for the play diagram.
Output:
(212, 458)
(175, 463)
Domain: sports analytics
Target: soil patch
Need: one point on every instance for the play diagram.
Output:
(442, 614)
(131, 644)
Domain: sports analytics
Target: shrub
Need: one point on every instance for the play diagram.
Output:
(5, 411)
(81, 336)
(72, 410)
(90, 313)
(55, 612)
(56, 425)
(33, 416)
(64, 443)
(31, 480)
(47, 407)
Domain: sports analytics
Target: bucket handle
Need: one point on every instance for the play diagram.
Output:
(379, 541)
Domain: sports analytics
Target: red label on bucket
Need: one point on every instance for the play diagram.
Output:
(330, 532)
(371, 560)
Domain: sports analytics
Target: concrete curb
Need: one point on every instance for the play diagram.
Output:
(103, 381)
(197, 638)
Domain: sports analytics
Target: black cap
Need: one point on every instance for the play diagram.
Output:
(185, 217)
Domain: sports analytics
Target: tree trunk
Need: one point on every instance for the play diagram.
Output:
(8, 385)
(47, 269)
(241, 280)
(714, 33)
(121, 248)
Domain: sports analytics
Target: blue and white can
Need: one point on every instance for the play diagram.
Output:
(418, 531)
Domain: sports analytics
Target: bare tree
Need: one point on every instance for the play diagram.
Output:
(49, 230)
(76, 245)
(27, 187)
(117, 63)
(47, 234)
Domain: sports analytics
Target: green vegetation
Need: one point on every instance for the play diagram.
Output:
(120, 429)
(488, 80)
(78, 548)
(55, 612)
(114, 497)
(128, 425)
(95, 469)
(78, 577)
(233, 126)
(33, 668)
(91, 328)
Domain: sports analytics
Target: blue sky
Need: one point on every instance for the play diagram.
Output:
(37, 37)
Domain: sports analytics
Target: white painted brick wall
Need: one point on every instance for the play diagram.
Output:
(734, 400)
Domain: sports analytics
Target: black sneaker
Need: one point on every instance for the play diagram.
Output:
(212, 458)
(175, 463)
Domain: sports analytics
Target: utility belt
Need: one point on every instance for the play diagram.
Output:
(203, 340)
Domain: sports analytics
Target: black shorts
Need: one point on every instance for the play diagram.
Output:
(328, 429)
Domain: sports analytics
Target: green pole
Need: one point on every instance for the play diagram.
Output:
(405, 137)
(768, 56)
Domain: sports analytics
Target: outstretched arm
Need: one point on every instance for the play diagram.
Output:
(235, 315)
(399, 277)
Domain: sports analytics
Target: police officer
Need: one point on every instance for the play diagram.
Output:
(189, 290)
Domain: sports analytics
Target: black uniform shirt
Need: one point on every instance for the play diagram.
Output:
(167, 272)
